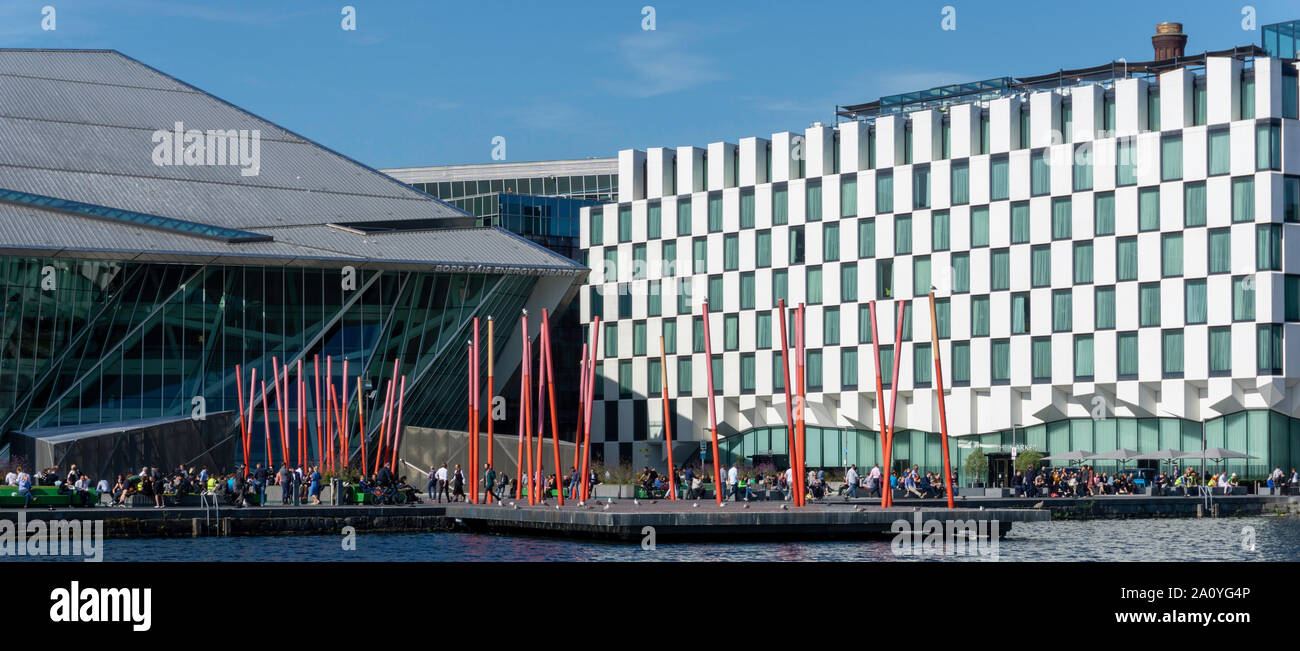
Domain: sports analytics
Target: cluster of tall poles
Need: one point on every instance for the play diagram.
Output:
(330, 405)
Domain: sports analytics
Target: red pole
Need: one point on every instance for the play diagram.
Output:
(320, 438)
(893, 395)
(528, 414)
(473, 448)
(248, 435)
(282, 401)
(795, 480)
(582, 396)
(668, 422)
(586, 430)
(943, 416)
(302, 440)
(885, 495)
(799, 434)
(392, 397)
(539, 414)
(383, 425)
(344, 428)
(397, 426)
(266, 422)
(340, 460)
(239, 389)
(492, 396)
(550, 390)
(332, 423)
(329, 411)
(713, 420)
(469, 415)
(519, 454)
(361, 423)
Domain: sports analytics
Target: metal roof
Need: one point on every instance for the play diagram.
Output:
(82, 125)
(493, 171)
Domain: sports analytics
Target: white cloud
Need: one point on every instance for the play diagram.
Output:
(659, 62)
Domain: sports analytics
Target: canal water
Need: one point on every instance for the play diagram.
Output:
(1229, 539)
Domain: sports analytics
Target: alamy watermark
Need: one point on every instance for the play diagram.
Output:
(944, 537)
(235, 147)
(69, 537)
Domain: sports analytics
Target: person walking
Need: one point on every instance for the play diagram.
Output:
(286, 483)
(733, 482)
(24, 483)
(458, 485)
(315, 485)
(851, 481)
(489, 480)
(444, 485)
(433, 482)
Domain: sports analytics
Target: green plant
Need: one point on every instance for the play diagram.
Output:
(976, 465)
(1028, 459)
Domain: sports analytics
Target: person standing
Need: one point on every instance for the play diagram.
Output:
(733, 482)
(458, 484)
(315, 485)
(489, 480)
(851, 480)
(873, 480)
(286, 483)
(433, 482)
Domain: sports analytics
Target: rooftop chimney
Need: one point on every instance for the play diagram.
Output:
(1169, 41)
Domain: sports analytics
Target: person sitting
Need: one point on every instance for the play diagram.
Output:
(909, 484)
(408, 490)
(752, 491)
(384, 478)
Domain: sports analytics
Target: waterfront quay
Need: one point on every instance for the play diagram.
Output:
(625, 520)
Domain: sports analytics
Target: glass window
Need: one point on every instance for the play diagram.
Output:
(731, 332)
(654, 377)
(848, 368)
(611, 265)
(685, 287)
(731, 252)
(1149, 209)
(670, 336)
(697, 334)
(638, 337)
(921, 361)
(1220, 245)
(715, 291)
(1041, 349)
(747, 208)
(684, 216)
(864, 324)
(1268, 145)
(884, 192)
(1268, 346)
(831, 326)
(1083, 167)
(943, 317)
(796, 245)
(1247, 96)
(1040, 173)
(596, 227)
(1220, 352)
(700, 249)
(1104, 213)
(1268, 247)
(1126, 265)
(813, 201)
(831, 242)
(654, 298)
(1153, 107)
(625, 379)
(961, 363)
(979, 316)
(866, 238)
(1126, 355)
(1104, 307)
(638, 261)
(960, 183)
(715, 212)
(611, 340)
(1067, 121)
(1172, 352)
(902, 234)
(1082, 262)
(984, 131)
(1291, 297)
(1198, 101)
(814, 285)
(921, 275)
(747, 291)
(748, 373)
(979, 226)
(763, 249)
(1019, 313)
(907, 320)
(1290, 102)
(1171, 157)
(1001, 358)
(1291, 199)
(780, 205)
(1108, 113)
(1024, 126)
(1194, 204)
(1041, 266)
(921, 187)
(1061, 218)
(625, 223)
(780, 286)
(1126, 161)
(653, 222)
(1194, 301)
(1000, 269)
(960, 273)
(1062, 310)
(1220, 159)
(1243, 199)
(849, 196)
(813, 370)
(1020, 222)
(1083, 356)
(778, 372)
(1149, 304)
(1171, 255)
(999, 177)
(684, 376)
(939, 230)
(848, 282)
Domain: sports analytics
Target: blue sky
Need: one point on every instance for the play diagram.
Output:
(432, 83)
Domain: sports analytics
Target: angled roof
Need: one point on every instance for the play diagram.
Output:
(85, 126)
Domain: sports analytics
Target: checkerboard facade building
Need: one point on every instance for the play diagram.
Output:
(1111, 261)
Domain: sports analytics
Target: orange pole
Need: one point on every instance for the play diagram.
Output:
(320, 438)
(539, 414)
(943, 416)
(550, 390)
(469, 413)
(713, 421)
(392, 398)
(582, 396)
(239, 388)
(340, 460)
(383, 420)
(266, 423)
(329, 411)
(361, 422)
(893, 395)
(519, 453)
(332, 422)
(344, 429)
(668, 423)
(528, 417)
(586, 430)
(885, 494)
(248, 436)
(800, 461)
(302, 440)
(397, 426)
(473, 441)
(795, 480)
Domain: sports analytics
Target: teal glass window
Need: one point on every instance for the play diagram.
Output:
(625, 379)
(1194, 301)
(1149, 304)
(1040, 173)
(1126, 355)
(813, 370)
(1019, 313)
(1194, 204)
(1219, 152)
(1000, 368)
(1125, 161)
(747, 216)
(731, 252)
(1220, 351)
(780, 286)
(866, 238)
(684, 216)
(654, 221)
(780, 205)
(638, 338)
(1171, 255)
(921, 187)
(921, 275)
(939, 231)
(1104, 308)
(864, 324)
(731, 332)
(999, 177)
(1126, 261)
(1062, 310)
(654, 377)
(747, 292)
(960, 273)
(715, 212)
(1268, 247)
(831, 242)
(902, 234)
(1171, 157)
(1040, 266)
(1000, 269)
(1172, 352)
(1268, 347)
(961, 363)
(1243, 199)
(654, 298)
(1268, 145)
(670, 336)
(1149, 209)
(611, 340)
(849, 196)
(960, 183)
(1083, 357)
(884, 192)
(625, 223)
(979, 226)
(1291, 297)
(1083, 167)
(796, 245)
(943, 317)
(1247, 95)
(848, 282)
(684, 376)
(979, 316)
(1104, 213)
(813, 201)
(1153, 107)
(1220, 245)
(763, 330)
(922, 361)
(1020, 222)
(814, 285)
(848, 368)
(1061, 218)
(831, 326)
(1083, 262)
(778, 372)
(596, 227)
(1041, 351)
(763, 249)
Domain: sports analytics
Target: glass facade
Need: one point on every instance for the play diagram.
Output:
(478, 197)
(119, 341)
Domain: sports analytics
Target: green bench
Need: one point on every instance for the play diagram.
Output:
(45, 496)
